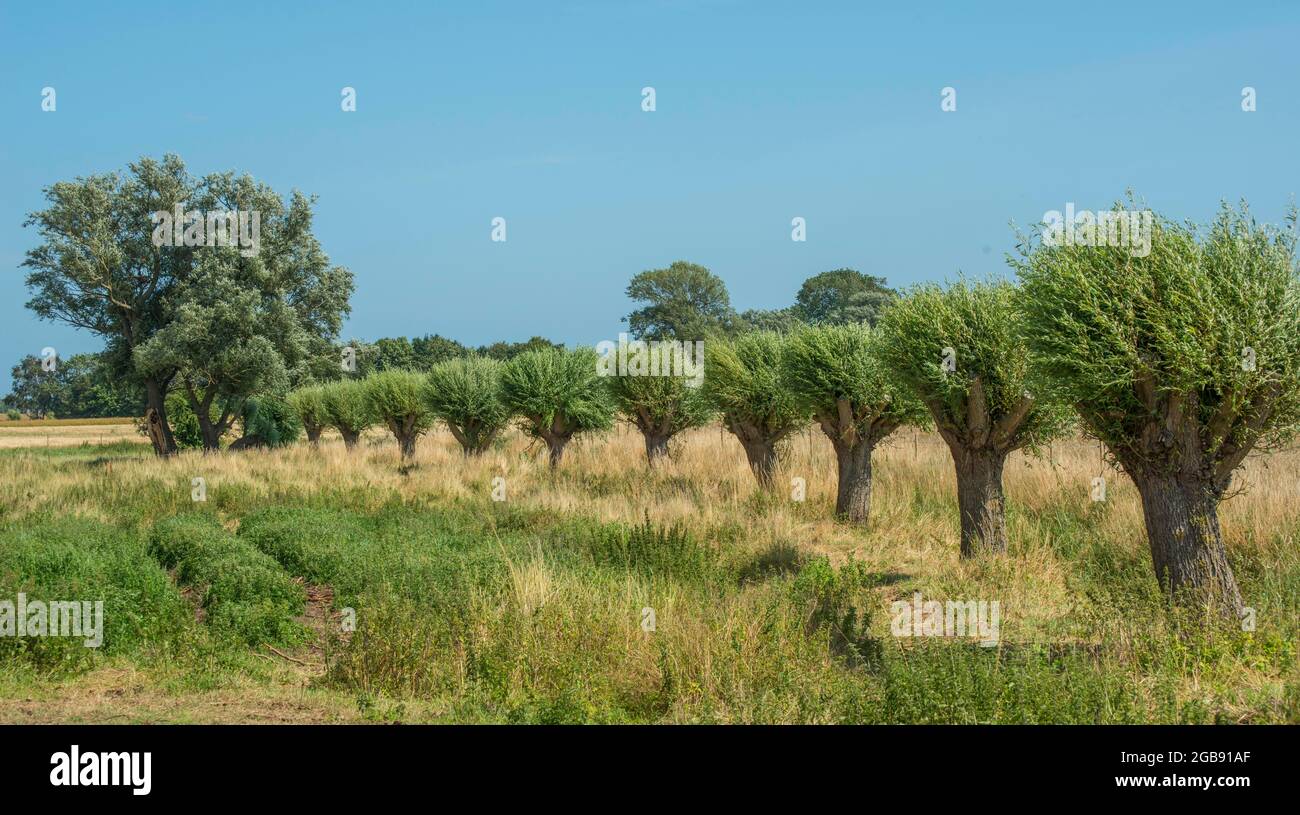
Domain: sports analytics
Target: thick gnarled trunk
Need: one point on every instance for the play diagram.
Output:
(981, 501)
(760, 450)
(555, 444)
(211, 435)
(762, 461)
(473, 439)
(405, 431)
(1191, 564)
(853, 496)
(349, 437)
(159, 429)
(656, 447)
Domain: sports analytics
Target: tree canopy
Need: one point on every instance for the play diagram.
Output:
(682, 302)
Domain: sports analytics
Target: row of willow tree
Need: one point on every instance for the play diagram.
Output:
(1181, 362)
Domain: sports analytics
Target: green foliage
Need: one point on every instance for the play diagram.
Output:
(107, 217)
(400, 400)
(1128, 338)
(842, 296)
(651, 550)
(244, 592)
(308, 404)
(399, 397)
(271, 421)
(506, 351)
(184, 424)
(742, 378)
(217, 324)
(683, 302)
(347, 406)
(660, 405)
(832, 604)
(434, 348)
(781, 320)
(466, 394)
(81, 386)
(827, 366)
(13, 415)
(37, 392)
(982, 323)
(557, 391)
(75, 560)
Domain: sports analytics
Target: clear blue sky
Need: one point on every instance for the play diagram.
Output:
(532, 111)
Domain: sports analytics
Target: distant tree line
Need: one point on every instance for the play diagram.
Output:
(80, 387)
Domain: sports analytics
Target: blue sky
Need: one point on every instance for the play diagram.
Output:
(532, 112)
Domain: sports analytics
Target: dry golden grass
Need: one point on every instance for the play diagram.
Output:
(67, 433)
(707, 487)
(6, 422)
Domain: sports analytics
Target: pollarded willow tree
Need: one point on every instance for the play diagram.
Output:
(398, 399)
(466, 394)
(961, 351)
(1181, 361)
(348, 409)
(835, 373)
(743, 380)
(660, 407)
(308, 404)
(559, 393)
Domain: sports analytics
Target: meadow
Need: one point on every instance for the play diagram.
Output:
(240, 608)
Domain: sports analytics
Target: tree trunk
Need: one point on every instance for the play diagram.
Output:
(1191, 564)
(407, 443)
(211, 435)
(556, 445)
(762, 461)
(313, 434)
(656, 447)
(979, 496)
(160, 431)
(349, 437)
(853, 498)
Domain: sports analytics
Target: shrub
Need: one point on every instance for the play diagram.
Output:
(466, 394)
(559, 393)
(75, 560)
(244, 592)
(184, 424)
(269, 421)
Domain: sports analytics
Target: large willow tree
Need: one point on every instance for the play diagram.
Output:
(1181, 361)
(960, 350)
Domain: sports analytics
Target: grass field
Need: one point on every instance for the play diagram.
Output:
(530, 609)
(68, 432)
